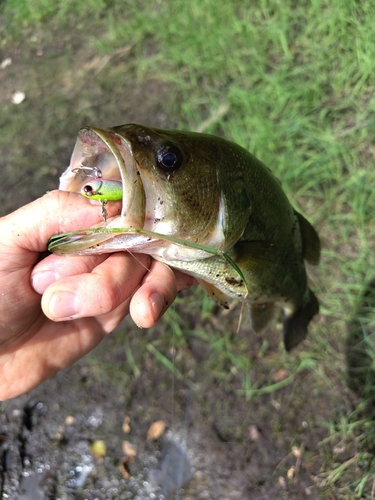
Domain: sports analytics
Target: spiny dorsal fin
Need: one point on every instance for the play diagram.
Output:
(310, 240)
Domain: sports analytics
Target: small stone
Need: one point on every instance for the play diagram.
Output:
(254, 433)
(296, 451)
(281, 482)
(18, 97)
(280, 375)
(70, 420)
(6, 62)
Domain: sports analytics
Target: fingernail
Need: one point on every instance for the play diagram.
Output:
(158, 304)
(64, 305)
(41, 281)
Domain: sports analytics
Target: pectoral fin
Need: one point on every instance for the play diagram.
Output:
(253, 256)
(215, 294)
(295, 325)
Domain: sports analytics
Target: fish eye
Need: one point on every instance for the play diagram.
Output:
(169, 159)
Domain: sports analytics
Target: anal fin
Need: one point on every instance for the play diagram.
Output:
(295, 325)
(261, 315)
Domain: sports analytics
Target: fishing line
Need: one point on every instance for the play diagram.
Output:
(189, 397)
(173, 379)
(241, 313)
(189, 400)
(180, 474)
(139, 262)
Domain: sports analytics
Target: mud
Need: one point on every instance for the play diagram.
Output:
(215, 443)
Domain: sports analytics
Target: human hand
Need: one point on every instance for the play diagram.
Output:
(83, 297)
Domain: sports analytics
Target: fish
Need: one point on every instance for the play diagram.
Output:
(203, 205)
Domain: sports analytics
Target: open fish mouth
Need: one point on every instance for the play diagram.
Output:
(104, 154)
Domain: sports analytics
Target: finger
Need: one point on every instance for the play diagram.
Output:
(108, 322)
(60, 211)
(96, 293)
(155, 295)
(55, 267)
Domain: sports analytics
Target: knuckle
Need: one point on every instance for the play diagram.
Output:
(107, 298)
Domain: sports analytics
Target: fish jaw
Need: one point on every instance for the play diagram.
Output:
(103, 153)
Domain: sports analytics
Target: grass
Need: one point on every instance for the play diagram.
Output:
(291, 81)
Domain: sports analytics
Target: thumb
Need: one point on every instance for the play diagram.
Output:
(30, 227)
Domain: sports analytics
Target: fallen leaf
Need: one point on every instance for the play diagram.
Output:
(124, 466)
(129, 449)
(98, 449)
(280, 375)
(126, 425)
(156, 430)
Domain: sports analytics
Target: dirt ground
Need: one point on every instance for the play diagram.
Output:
(230, 447)
(217, 443)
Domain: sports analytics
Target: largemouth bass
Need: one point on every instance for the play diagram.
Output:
(203, 205)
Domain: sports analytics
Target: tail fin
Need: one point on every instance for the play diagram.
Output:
(295, 326)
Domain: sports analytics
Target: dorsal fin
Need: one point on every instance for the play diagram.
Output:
(310, 240)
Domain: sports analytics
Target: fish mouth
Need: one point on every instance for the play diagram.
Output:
(142, 226)
(104, 154)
